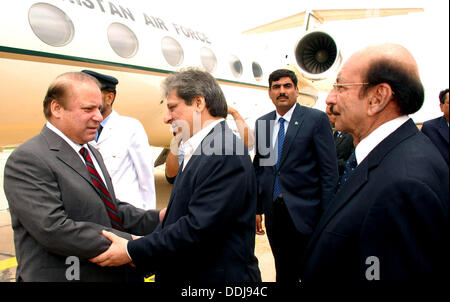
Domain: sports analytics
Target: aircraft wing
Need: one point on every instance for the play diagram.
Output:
(324, 15)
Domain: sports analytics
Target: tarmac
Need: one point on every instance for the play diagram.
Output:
(8, 263)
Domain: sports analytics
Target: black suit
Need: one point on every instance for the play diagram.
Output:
(344, 147)
(208, 233)
(307, 176)
(438, 132)
(395, 206)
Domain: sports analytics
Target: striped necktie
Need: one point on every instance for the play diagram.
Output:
(104, 194)
(276, 185)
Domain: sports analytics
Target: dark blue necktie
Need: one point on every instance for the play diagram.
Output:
(336, 135)
(98, 133)
(350, 166)
(280, 139)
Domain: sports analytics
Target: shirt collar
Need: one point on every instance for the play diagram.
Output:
(193, 142)
(377, 136)
(105, 120)
(287, 117)
(71, 143)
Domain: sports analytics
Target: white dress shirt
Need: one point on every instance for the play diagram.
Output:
(369, 143)
(77, 147)
(193, 142)
(287, 117)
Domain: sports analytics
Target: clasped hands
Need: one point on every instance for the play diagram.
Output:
(116, 254)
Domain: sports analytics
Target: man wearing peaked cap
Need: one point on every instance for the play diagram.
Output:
(123, 143)
(107, 82)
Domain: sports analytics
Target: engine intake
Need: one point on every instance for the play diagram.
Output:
(317, 55)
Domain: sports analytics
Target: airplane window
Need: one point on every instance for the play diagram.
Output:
(236, 66)
(208, 58)
(122, 40)
(172, 51)
(257, 71)
(50, 24)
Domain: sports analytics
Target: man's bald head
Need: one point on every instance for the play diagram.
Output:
(395, 65)
(394, 53)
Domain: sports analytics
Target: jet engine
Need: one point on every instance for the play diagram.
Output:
(318, 59)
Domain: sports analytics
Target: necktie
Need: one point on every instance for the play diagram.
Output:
(280, 139)
(104, 194)
(350, 166)
(98, 133)
(336, 135)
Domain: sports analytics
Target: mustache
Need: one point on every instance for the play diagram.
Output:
(333, 112)
(282, 95)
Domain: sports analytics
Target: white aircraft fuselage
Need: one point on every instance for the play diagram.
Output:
(40, 40)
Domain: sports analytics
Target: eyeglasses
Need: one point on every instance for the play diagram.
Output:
(337, 87)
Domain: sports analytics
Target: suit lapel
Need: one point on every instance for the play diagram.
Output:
(345, 194)
(443, 129)
(66, 154)
(268, 132)
(267, 129)
(178, 179)
(106, 176)
(219, 129)
(340, 139)
(294, 125)
(361, 175)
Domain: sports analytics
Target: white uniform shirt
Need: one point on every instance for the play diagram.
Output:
(126, 152)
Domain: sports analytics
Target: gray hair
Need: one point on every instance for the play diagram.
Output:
(193, 82)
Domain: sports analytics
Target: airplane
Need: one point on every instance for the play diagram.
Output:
(40, 40)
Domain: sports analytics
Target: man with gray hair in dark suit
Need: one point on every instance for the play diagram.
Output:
(208, 233)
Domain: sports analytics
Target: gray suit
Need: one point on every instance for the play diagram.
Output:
(56, 212)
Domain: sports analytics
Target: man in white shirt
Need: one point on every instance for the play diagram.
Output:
(389, 220)
(123, 143)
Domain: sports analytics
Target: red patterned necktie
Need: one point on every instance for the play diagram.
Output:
(104, 194)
